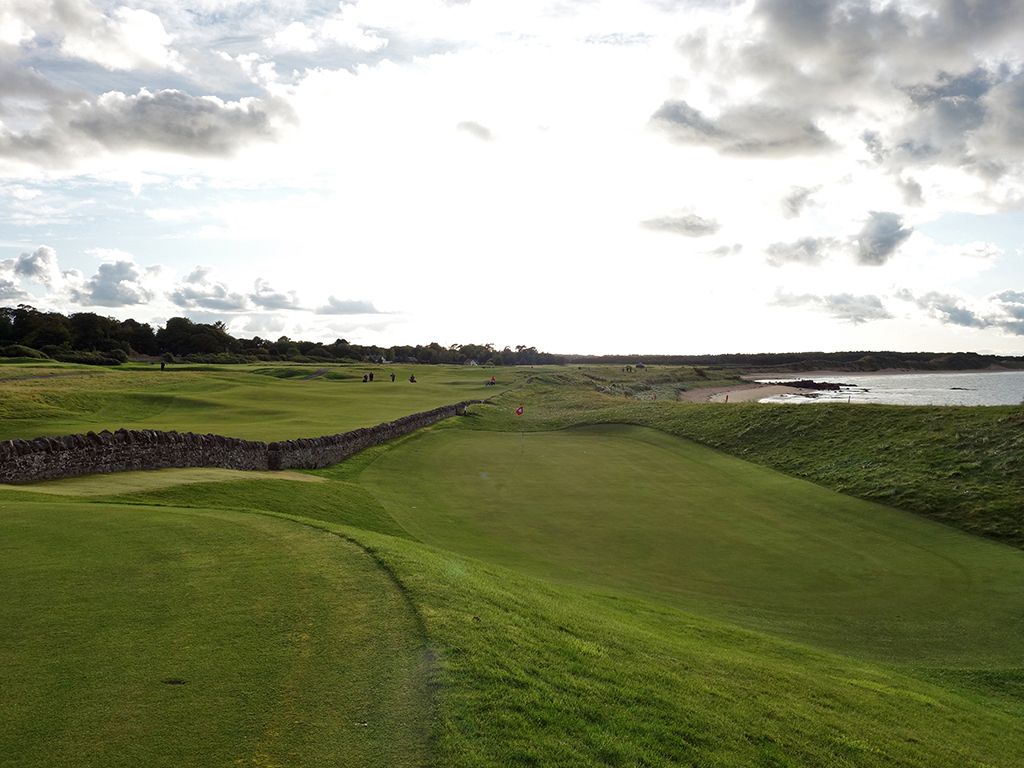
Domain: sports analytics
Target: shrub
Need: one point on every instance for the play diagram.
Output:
(17, 350)
(87, 358)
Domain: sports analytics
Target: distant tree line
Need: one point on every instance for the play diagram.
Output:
(86, 337)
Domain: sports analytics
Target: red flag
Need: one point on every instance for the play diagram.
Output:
(519, 411)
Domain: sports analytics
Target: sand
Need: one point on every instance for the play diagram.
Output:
(738, 393)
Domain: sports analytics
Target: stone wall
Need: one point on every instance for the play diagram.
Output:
(49, 458)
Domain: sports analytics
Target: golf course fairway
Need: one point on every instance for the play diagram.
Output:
(146, 636)
(633, 511)
(251, 402)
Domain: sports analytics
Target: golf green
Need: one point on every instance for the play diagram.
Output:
(634, 511)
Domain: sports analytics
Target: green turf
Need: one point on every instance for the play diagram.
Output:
(647, 514)
(238, 401)
(293, 646)
(961, 465)
(538, 674)
(599, 596)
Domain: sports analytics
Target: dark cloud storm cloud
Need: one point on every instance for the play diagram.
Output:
(1005, 310)
(881, 235)
(165, 120)
(174, 121)
(935, 83)
(951, 310)
(687, 224)
(751, 129)
(843, 306)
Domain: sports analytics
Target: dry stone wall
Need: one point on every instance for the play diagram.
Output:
(50, 458)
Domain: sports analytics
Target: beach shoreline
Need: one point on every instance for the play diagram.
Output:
(737, 393)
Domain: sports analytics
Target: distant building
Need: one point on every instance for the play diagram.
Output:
(471, 362)
(640, 365)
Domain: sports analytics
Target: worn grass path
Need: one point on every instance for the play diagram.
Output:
(143, 636)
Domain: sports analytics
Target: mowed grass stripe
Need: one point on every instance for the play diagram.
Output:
(633, 510)
(132, 635)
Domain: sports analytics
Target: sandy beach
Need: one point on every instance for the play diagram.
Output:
(738, 393)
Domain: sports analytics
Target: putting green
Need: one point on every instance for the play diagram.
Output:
(631, 510)
(141, 636)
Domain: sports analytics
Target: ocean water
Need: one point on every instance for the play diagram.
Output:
(990, 388)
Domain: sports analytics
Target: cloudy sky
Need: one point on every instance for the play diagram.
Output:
(579, 175)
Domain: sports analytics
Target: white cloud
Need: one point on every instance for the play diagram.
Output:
(360, 142)
(294, 37)
(13, 30)
(39, 265)
(336, 306)
(342, 28)
(131, 38)
(115, 284)
(197, 291)
(265, 296)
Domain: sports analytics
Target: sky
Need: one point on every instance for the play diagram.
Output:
(586, 176)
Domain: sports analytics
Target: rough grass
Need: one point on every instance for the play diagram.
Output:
(134, 635)
(140, 482)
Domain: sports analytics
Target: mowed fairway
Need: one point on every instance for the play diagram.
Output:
(143, 636)
(252, 402)
(634, 511)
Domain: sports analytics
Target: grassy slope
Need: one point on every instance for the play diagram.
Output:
(295, 648)
(962, 466)
(538, 673)
(534, 673)
(647, 514)
(231, 400)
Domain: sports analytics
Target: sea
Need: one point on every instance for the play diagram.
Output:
(970, 388)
